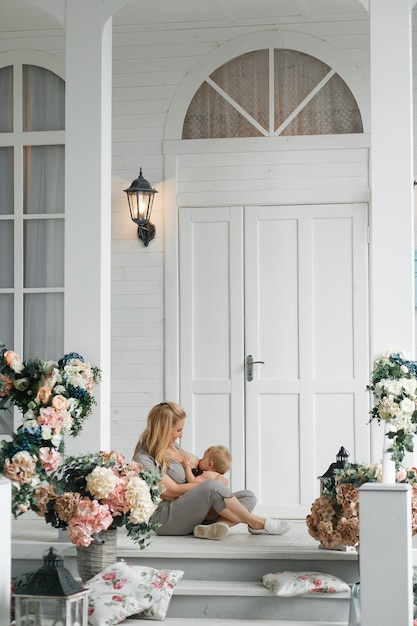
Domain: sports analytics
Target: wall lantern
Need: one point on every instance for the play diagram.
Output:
(52, 596)
(341, 458)
(140, 196)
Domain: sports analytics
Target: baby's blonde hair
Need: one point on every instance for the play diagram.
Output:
(221, 458)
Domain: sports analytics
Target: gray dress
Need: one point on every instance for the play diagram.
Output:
(179, 516)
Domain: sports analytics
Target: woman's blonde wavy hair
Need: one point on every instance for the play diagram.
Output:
(156, 437)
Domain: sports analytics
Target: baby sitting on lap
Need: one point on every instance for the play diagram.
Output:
(215, 462)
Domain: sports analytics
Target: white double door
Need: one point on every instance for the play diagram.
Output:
(286, 286)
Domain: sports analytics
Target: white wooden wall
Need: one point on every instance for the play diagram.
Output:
(149, 64)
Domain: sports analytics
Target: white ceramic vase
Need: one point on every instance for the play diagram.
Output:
(388, 465)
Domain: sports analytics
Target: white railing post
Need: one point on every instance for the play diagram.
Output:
(385, 555)
(5, 549)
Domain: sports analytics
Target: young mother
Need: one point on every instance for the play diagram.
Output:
(206, 509)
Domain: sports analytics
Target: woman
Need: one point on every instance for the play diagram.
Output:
(206, 509)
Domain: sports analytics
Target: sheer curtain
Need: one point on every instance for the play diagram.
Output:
(36, 228)
(309, 98)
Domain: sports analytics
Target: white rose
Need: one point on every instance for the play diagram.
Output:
(56, 440)
(17, 367)
(50, 366)
(394, 387)
(76, 380)
(402, 422)
(46, 432)
(407, 406)
(409, 385)
(29, 416)
(404, 369)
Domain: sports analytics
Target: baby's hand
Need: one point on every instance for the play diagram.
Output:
(186, 462)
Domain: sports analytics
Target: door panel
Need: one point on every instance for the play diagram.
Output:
(287, 285)
(211, 331)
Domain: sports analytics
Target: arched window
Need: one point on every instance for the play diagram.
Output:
(32, 116)
(272, 92)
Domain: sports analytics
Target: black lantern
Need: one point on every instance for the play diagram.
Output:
(52, 596)
(140, 196)
(327, 478)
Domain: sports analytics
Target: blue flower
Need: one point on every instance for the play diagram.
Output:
(68, 357)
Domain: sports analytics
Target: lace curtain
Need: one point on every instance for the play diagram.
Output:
(307, 98)
(35, 223)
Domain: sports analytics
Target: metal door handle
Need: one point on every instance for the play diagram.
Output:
(250, 363)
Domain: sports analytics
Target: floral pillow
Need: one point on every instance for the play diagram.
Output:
(116, 593)
(289, 584)
(162, 584)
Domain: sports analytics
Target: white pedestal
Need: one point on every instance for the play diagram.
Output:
(5, 549)
(385, 555)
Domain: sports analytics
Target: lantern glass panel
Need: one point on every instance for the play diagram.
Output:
(44, 611)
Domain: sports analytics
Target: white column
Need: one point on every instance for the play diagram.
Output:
(392, 245)
(5, 550)
(88, 203)
(385, 550)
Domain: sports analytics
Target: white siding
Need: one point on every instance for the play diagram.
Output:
(149, 64)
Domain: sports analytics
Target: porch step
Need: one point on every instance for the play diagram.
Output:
(185, 621)
(250, 600)
(221, 583)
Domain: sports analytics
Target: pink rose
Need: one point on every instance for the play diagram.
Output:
(109, 576)
(117, 598)
(59, 403)
(8, 385)
(11, 358)
(401, 475)
(43, 395)
(50, 458)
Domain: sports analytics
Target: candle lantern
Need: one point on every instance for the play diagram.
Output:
(52, 597)
(327, 478)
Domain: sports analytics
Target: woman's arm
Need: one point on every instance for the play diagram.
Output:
(172, 490)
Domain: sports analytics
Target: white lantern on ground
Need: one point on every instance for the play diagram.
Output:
(52, 597)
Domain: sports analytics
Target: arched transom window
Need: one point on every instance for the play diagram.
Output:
(272, 92)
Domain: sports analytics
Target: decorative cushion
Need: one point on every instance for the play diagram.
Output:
(122, 590)
(289, 584)
(116, 593)
(162, 584)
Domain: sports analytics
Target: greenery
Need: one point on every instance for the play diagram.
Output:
(394, 386)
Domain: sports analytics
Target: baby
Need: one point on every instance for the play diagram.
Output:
(215, 462)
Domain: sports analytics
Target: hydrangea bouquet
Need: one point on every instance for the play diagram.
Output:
(334, 516)
(95, 492)
(394, 386)
(55, 399)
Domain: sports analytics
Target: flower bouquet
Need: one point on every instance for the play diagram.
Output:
(394, 385)
(95, 492)
(55, 399)
(334, 516)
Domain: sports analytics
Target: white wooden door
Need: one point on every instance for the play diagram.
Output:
(287, 285)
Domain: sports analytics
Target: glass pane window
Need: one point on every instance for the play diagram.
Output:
(32, 226)
(43, 99)
(7, 318)
(44, 169)
(6, 181)
(6, 254)
(6, 99)
(44, 241)
(309, 98)
(43, 330)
